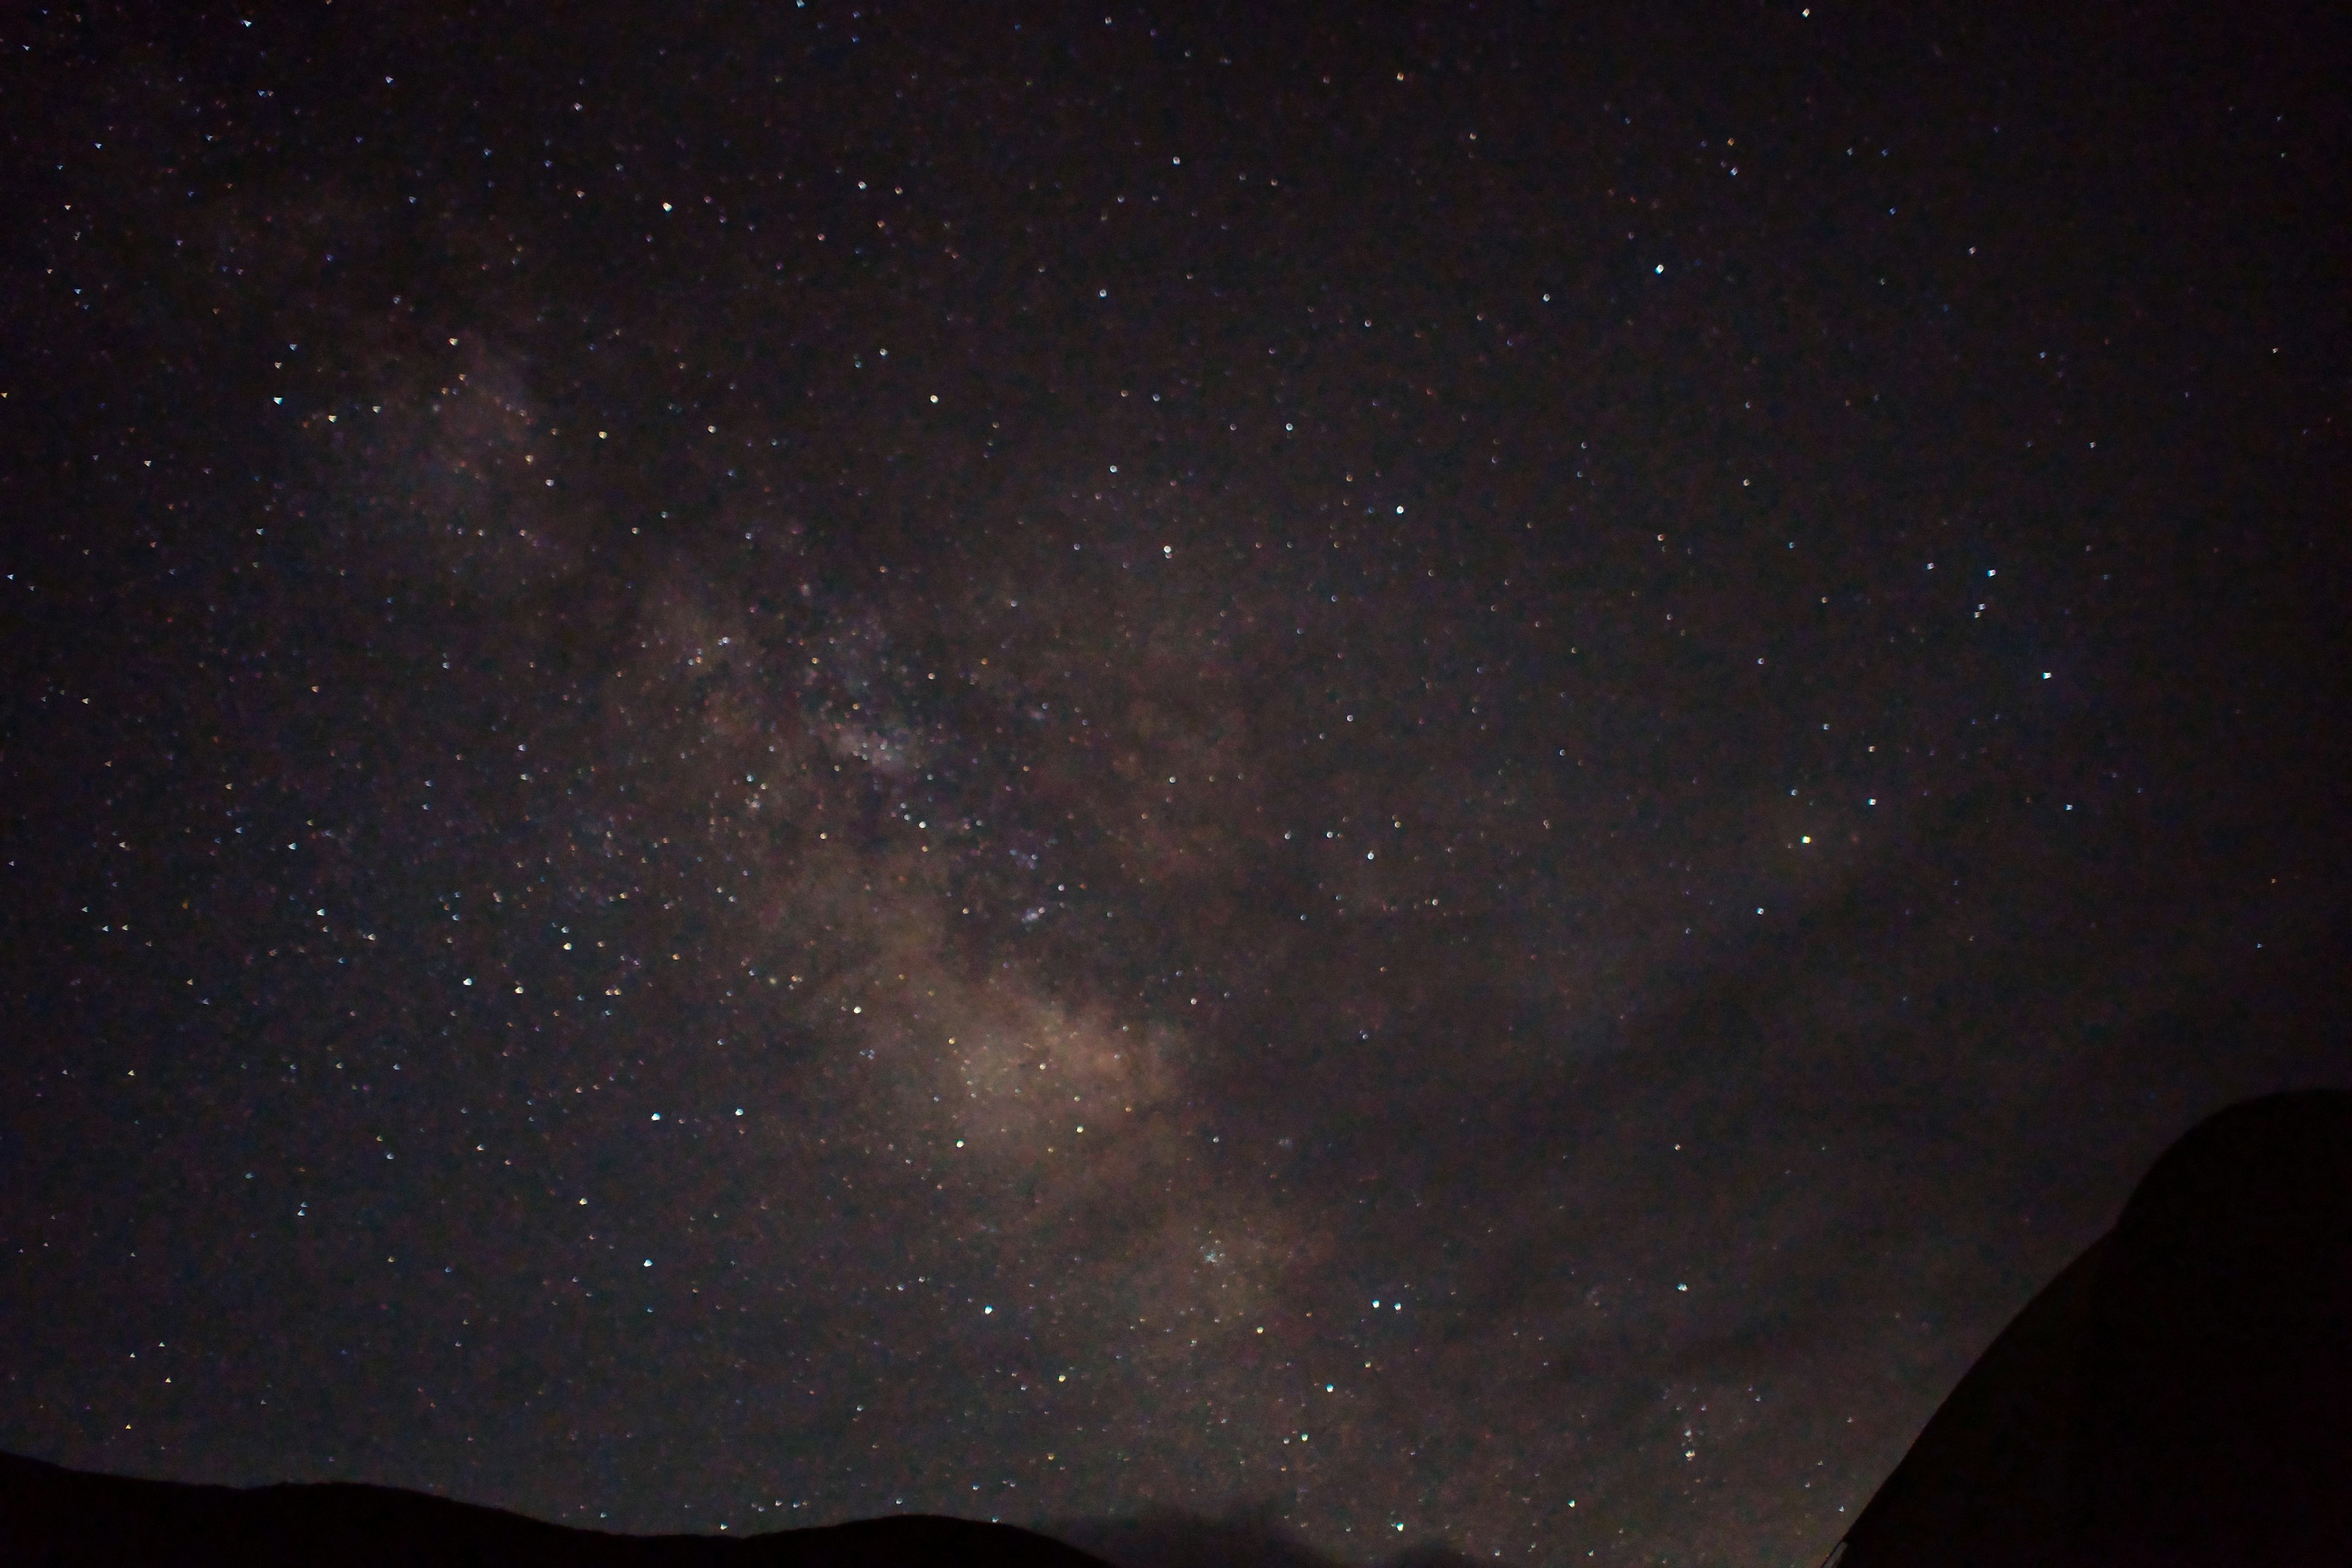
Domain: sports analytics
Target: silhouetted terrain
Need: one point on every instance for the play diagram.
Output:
(52, 1516)
(2180, 1395)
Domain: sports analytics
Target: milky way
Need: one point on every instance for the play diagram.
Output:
(1431, 783)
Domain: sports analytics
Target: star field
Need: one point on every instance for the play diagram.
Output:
(1454, 779)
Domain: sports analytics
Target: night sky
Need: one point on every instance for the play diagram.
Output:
(1451, 776)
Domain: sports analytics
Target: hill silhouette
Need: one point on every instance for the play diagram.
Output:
(2180, 1395)
(58, 1518)
(52, 1517)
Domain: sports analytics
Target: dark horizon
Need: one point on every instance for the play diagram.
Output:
(47, 1509)
(2178, 1394)
(1455, 781)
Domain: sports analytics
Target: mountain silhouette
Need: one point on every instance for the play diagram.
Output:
(56, 1518)
(52, 1517)
(2180, 1395)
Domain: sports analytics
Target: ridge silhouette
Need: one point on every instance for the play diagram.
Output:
(2180, 1396)
(53, 1517)
(56, 1518)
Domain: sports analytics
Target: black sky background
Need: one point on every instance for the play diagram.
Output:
(1658, 686)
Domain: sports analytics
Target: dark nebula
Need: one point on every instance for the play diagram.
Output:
(1445, 781)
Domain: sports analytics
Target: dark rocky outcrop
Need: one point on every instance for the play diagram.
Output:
(2180, 1396)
